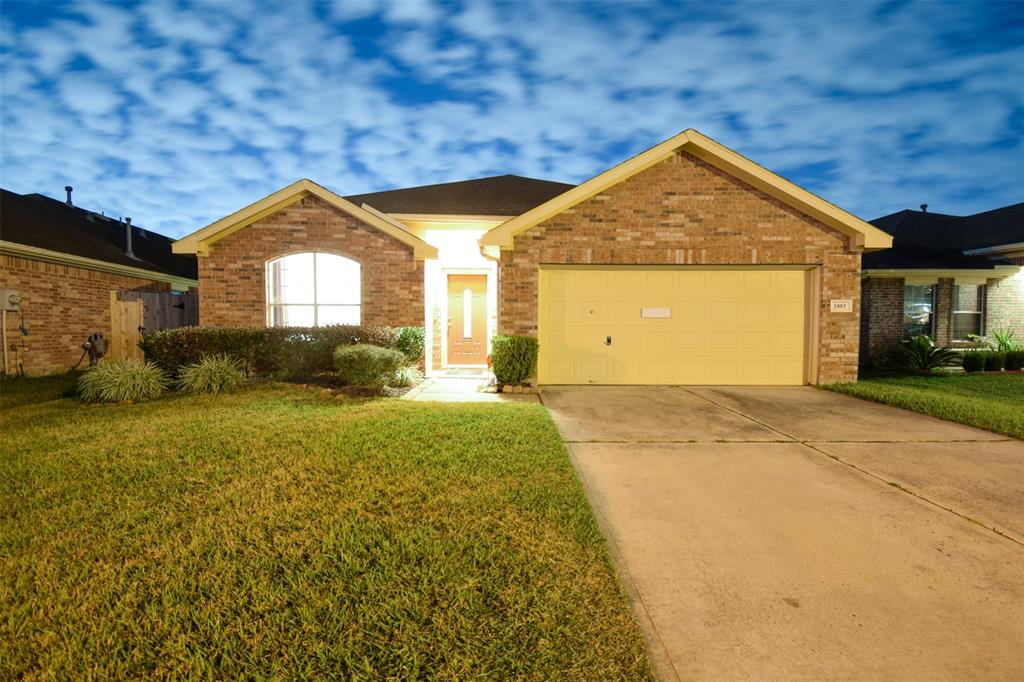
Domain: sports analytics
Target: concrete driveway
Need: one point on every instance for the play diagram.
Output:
(796, 534)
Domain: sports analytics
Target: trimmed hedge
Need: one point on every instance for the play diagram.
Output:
(513, 358)
(293, 352)
(994, 361)
(365, 365)
(974, 361)
(1015, 360)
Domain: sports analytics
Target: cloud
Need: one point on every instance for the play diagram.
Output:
(178, 113)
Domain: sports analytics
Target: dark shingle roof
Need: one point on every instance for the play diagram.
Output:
(36, 220)
(504, 195)
(937, 240)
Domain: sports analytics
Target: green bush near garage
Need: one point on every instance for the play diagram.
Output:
(513, 358)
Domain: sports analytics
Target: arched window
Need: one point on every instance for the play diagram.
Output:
(313, 289)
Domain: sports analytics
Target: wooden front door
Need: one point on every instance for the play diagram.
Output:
(467, 319)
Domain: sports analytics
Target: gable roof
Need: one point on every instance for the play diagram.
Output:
(931, 240)
(48, 226)
(499, 195)
(861, 234)
(199, 242)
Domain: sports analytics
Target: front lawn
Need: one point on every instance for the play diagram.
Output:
(987, 401)
(274, 533)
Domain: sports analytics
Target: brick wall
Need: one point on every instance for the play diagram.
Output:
(943, 318)
(232, 289)
(685, 211)
(63, 305)
(1005, 303)
(882, 317)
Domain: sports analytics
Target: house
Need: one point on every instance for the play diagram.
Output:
(686, 264)
(75, 273)
(950, 277)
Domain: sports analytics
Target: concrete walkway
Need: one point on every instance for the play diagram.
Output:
(461, 390)
(796, 534)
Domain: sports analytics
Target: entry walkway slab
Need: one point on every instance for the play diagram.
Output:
(462, 390)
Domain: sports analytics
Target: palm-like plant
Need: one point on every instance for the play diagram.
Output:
(1002, 341)
(923, 355)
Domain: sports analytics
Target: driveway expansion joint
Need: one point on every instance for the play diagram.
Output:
(809, 444)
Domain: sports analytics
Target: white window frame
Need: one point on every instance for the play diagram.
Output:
(271, 305)
(980, 312)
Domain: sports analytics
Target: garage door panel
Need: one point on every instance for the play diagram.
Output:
(723, 326)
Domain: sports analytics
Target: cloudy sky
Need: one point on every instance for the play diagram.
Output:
(177, 113)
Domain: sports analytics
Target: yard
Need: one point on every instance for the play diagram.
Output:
(994, 402)
(274, 533)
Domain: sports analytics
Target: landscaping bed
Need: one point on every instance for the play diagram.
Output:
(269, 532)
(992, 401)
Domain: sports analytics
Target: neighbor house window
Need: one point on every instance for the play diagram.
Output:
(313, 289)
(918, 304)
(968, 311)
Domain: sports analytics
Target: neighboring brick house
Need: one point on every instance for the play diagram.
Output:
(64, 262)
(950, 277)
(685, 264)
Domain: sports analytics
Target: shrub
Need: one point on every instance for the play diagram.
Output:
(921, 354)
(1003, 341)
(173, 349)
(1015, 360)
(410, 342)
(514, 358)
(407, 376)
(116, 382)
(994, 362)
(212, 374)
(304, 352)
(974, 361)
(366, 365)
(293, 352)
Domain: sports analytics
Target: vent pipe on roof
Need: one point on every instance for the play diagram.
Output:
(69, 189)
(924, 208)
(128, 238)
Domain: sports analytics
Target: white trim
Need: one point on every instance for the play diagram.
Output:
(35, 253)
(961, 276)
(862, 236)
(1001, 248)
(199, 241)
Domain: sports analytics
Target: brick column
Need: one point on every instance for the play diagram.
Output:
(881, 316)
(943, 335)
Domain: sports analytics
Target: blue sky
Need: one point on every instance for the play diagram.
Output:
(177, 113)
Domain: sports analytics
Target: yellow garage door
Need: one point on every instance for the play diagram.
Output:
(635, 325)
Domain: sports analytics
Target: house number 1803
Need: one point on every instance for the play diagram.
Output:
(841, 305)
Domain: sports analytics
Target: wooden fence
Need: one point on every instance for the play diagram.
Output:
(135, 313)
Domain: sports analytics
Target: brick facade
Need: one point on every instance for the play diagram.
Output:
(684, 211)
(232, 278)
(882, 301)
(1004, 307)
(882, 318)
(63, 305)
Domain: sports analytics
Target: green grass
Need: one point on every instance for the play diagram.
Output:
(273, 533)
(991, 402)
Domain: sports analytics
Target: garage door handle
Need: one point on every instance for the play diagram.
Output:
(607, 340)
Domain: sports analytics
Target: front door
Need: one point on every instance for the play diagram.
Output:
(467, 319)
